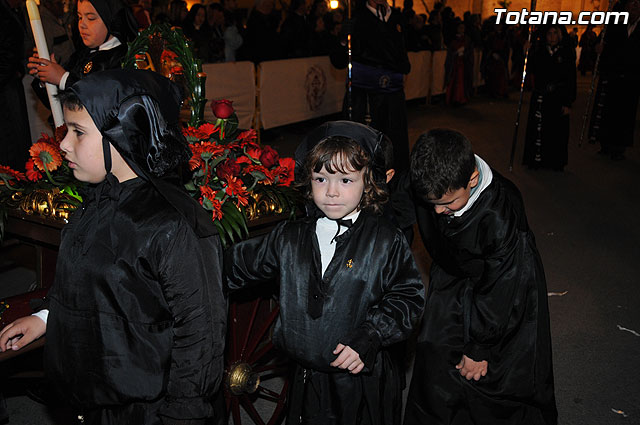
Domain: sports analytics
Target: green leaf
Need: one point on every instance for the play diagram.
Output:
(221, 233)
(227, 230)
(236, 219)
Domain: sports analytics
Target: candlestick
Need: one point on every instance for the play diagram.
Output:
(43, 52)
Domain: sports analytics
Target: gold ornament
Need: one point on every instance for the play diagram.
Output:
(242, 380)
(262, 206)
(46, 203)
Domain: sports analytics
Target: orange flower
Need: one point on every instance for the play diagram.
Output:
(32, 172)
(208, 193)
(10, 174)
(45, 155)
(195, 163)
(206, 130)
(217, 209)
(234, 187)
(247, 138)
(213, 149)
(242, 200)
(208, 199)
(285, 171)
(190, 131)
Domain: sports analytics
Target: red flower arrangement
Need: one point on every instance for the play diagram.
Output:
(45, 167)
(229, 168)
(46, 170)
(230, 172)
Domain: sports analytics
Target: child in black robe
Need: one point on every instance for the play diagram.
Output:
(484, 351)
(349, 287)
(105, 26)
(136, 317)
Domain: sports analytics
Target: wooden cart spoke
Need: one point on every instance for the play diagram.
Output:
(247, 405)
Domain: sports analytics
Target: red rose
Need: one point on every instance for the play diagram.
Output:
(222, 108)
(269, 157)
(228, 168)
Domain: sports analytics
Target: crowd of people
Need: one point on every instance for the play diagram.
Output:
(221, 32)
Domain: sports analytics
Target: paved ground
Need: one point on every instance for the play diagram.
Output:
(588, 232)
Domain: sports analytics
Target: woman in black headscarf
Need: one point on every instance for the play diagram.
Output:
(106, 26)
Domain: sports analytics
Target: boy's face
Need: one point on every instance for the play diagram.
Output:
(83, 146)
(92, 29)
(337, 195)
(454, 200)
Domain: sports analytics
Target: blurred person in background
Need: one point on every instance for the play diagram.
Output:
(616, 104)
(14, 121)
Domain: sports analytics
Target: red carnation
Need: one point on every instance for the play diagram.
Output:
(228, 168)
(222, 108)
(269, 157)
(285, 171)
(254, 152)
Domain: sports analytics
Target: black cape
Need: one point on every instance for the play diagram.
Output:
(370, 297)
(487, 299)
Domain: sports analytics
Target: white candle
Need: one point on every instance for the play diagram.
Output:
(43, 52)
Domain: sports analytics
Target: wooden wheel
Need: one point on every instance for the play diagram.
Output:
(256, 375)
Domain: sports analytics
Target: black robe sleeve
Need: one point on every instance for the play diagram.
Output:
(399, 311)
(191, 284)
(493, 295)
(253, 261)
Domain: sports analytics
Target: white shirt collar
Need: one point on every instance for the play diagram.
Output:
(485, 179)
(328, 223)
(387, 13)
(110, 44)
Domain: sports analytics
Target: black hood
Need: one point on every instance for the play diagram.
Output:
(118, 18)
(137, 112)
(371, 140)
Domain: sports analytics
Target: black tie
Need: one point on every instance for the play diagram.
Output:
(341, 222)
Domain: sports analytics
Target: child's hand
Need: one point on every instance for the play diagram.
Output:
(470, 368)
(347, 359)
(23, 331)
(45, 70)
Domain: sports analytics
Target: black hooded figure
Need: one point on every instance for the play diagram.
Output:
(347, 281)
(136, 329)
(121, 28)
